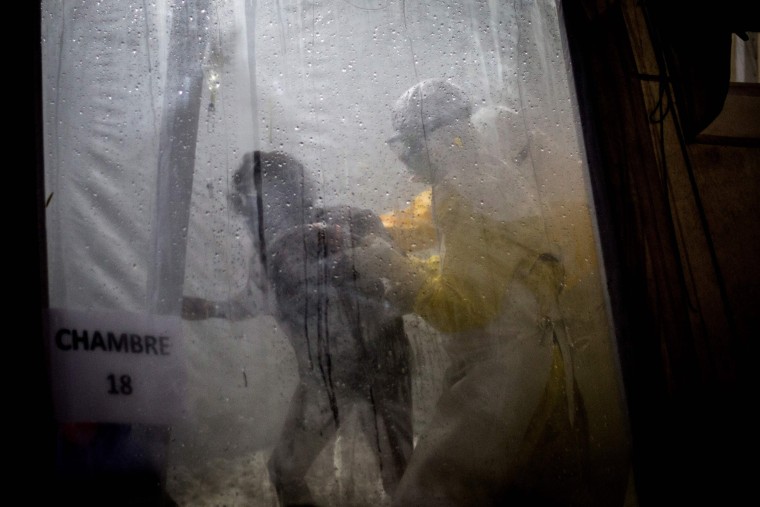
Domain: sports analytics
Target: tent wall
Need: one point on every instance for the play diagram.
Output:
(147, 117)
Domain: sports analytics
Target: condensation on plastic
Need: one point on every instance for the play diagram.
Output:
(149, 109)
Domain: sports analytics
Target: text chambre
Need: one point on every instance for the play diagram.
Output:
(107, 341)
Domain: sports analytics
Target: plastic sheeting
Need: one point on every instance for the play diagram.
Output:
(150, 107)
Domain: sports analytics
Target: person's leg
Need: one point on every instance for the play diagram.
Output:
(389, 425)
(308, 427)
(457, 462)
(468, 452)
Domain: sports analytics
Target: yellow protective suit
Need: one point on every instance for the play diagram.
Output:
(510, 426)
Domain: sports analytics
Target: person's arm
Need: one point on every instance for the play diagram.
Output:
(379, 261)
(195, 308)
(467, 291)
(480, 258)
(462, 291)
(239, 307)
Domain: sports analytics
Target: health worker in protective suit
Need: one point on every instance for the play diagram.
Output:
(350, 346)
(509, 427)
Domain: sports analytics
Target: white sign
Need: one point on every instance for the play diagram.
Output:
(115, 367)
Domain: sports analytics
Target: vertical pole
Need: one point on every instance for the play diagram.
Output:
(178, 136)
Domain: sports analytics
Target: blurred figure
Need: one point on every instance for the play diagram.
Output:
(351, 347)
(510, 426)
